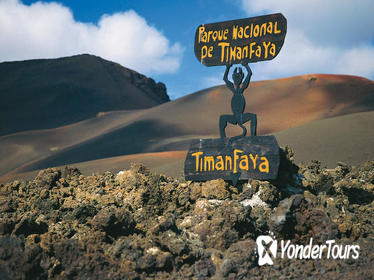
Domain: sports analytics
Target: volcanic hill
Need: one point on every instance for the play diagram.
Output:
(47, 93)
(99, 116)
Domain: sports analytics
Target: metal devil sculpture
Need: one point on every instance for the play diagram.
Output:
(238, 102)
(240, 157)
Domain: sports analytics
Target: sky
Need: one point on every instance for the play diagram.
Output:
(156, 37)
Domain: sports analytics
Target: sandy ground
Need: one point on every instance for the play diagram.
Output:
(347, 138)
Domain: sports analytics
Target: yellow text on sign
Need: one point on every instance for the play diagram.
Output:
(239, 161)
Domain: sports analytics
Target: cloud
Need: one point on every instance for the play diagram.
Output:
(47, 30)
(212, 81)
(334, 36)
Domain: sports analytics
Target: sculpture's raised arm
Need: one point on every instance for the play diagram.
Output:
(229, 84)
(248, 78)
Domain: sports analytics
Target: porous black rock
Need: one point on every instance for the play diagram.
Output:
(139, 225)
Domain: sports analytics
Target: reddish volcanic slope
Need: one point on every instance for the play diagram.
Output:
(280, 105)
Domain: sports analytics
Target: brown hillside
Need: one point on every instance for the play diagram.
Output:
(280, 104)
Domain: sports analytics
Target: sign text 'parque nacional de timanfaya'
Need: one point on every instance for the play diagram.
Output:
(249, 39)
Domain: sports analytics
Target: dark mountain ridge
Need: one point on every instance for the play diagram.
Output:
(47, 93)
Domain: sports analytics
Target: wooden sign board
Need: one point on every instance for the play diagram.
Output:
(255, 157)
(240, 41)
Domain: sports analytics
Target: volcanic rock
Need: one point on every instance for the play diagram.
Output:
(139, 225)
